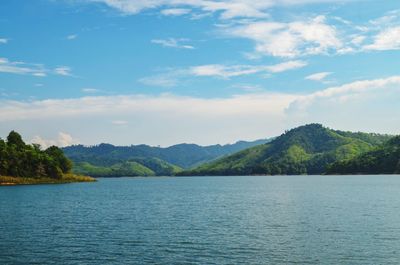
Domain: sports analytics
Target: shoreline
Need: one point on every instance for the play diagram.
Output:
(68, 178)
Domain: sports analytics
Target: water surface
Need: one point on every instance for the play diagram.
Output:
(204, 220)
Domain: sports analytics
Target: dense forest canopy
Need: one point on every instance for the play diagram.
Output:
(18, 159)
(384, 159)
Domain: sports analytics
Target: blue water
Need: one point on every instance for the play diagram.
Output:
(204, 220)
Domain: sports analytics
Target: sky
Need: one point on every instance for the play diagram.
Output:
(163, 72)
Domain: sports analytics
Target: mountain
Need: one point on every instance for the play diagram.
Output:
(384, 159)
(142, 160)
(308, 149)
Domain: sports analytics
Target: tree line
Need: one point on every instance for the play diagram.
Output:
(18, 159)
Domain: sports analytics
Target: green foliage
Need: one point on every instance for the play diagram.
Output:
(131, 168)
(18, 159)
(15, 139)
(106, 160)
(372, 138)
(57, 154)
(181, 155)
(384, 159)
(308, 149)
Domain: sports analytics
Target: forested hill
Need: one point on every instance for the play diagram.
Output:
(18, 159)
(130, 168)
(308, 149)
(181, 155)
(385, 159)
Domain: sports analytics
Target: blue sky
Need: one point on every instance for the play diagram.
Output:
(162, 72)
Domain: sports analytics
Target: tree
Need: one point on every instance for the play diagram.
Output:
(18, 159)
(59, 158)
(15, 138)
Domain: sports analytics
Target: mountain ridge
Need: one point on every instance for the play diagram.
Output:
(108, 160)
(307, 149)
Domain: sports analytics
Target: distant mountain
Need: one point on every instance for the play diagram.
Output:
(384, 159)
(307, 149)
(110, 160)
(130, 168)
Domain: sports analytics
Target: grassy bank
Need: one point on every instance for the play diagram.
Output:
(67, 178)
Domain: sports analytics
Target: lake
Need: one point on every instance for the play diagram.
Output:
(204, 220)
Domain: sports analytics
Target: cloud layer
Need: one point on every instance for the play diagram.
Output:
(169, 119)
(228, 9)
(172, 77)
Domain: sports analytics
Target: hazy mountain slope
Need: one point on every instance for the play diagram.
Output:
(307, 149)
(182, 155)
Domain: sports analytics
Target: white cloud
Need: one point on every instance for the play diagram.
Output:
(228, 9)
(63, 139)
(248, 87)
(119, 122)
(228, 71)
(72, 37)
(379, 34)
(175, 11)
(172, 77)
(358, 40)
(89, 90)
(21, 68)
(164, 119)
(318, 76)
(223, 71)
(388, 39)
(367, 105)
(3, 41)
(343, 92)
(169, 119)
(289, 39)
(286, 66)
(173, 43)
(38, 70)
(388, 20)
(161, 80)
(63, 70)
(40, 74)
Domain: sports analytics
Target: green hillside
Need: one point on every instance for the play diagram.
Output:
(307, 149)
(106, 160)
(384, 159)
(182, 155)
(131, 168)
